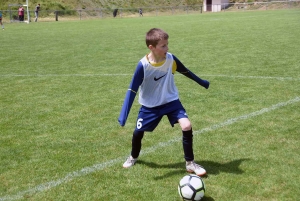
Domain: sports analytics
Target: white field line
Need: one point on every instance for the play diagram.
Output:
(62, 75)
(108, 74)
(254, 77)
(100, 166)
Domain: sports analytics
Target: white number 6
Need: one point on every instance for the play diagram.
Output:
(139, 123)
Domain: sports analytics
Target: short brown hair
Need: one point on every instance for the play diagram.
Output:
(153, 36)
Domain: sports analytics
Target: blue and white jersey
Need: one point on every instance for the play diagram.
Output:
(158, 85)
(0, 14)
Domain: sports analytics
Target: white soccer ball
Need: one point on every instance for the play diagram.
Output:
(191, 187)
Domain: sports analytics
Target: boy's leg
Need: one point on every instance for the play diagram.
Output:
(136, 148)
(191, 166)
(136, 143)
(187, 135)
(147, 120)
(187, 142)
(178, 115)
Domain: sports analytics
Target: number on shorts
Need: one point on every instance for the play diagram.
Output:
(139, 123)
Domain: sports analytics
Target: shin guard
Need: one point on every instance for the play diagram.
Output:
(187, 142)
(136, 143)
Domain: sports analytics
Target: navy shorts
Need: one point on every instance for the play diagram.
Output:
(148, 118)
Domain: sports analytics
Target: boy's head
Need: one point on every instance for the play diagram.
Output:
(153, 36)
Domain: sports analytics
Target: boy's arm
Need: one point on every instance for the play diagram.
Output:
(136, 81)
(186, 72)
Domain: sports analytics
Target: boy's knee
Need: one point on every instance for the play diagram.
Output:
(186, 126)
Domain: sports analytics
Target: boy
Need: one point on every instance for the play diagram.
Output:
(1, 20)
(158, 96)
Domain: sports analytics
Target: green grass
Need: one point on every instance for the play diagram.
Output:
(62, 85)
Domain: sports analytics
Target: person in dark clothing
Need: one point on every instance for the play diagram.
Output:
(115, 12)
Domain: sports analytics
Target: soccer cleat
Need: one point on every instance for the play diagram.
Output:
(191, 167)
(129, 162)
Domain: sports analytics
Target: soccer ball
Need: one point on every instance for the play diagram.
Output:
(191, 187)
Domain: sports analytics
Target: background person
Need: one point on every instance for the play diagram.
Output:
(1, 20)
(36, 12)
(141, 12)
(21, 13)
(115, 12)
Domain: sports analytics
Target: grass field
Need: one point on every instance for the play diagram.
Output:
(62, 85)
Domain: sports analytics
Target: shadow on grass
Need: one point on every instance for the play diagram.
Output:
(210, 166)
(207, 198)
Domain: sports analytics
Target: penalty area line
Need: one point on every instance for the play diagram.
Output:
(100, 166)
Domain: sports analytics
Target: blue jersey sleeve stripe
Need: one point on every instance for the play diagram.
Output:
(132, 90)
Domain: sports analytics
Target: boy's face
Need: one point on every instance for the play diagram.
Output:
(161, 48)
